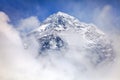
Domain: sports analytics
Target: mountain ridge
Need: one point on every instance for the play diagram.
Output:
(58, 30)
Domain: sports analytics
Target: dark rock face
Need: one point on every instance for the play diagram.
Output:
(50, 42)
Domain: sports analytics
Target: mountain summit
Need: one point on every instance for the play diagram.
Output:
(62, 33)
(60, 21)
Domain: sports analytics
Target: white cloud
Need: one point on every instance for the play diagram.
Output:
(7, 30)
(3, 17)
(28, 24)
(103, 17)
(106, 19)
(15, 63)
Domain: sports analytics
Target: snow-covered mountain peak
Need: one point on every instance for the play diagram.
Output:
(61, 31)
(60, 21)
(61, 13)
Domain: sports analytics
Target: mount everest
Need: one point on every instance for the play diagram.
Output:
(65, 35)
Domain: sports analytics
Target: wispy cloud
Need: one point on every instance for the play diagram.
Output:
(28, 24)
(104, 18)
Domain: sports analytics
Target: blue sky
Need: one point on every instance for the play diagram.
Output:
(85, 10)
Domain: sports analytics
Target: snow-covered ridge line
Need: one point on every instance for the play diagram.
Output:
(61, 31)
